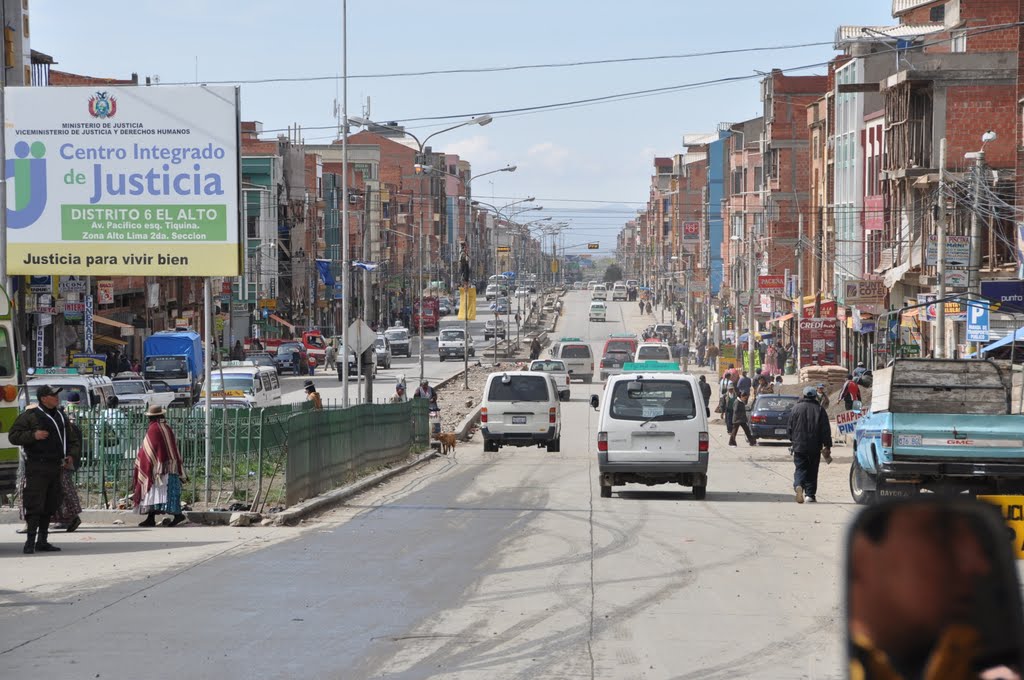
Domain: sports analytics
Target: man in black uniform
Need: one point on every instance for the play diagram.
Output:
(811, 435)
(44, 433)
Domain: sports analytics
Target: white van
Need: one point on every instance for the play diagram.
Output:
(92, 390)
(652, 351)
(521, 408)
(244, 384)
(619, 292)
(652, 429)
(600, 292)
(578, 357)
(598, 311)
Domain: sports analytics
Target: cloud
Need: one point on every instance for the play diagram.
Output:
(477, 150)
(549, 156)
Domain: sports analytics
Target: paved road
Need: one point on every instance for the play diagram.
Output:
(434, 369)
(490, 566)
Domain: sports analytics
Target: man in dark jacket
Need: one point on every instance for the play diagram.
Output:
(705, 390)
(811, 435)
(45, 433)
(739, 420)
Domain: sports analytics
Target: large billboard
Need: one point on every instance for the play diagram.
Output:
(116, 181)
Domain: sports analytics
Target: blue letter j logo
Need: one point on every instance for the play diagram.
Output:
(29, 175)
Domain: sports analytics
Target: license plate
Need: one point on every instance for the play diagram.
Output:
(780, 430)
(908, 440)
(519, 420)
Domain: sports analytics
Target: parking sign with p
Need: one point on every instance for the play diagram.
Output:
(977, 321)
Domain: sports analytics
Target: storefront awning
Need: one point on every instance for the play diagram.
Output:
(108, 341)
(96, 318)
(785, 317)
(276, 318)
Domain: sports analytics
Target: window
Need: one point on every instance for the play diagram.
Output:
(653, 400)
(252, 226)
(575, 352)
(958, 41)
(659, 353)
(737, 182)
(758, 176)
(6, 357)
(274, 384)
(267, 385)
(936, 14)
(519, 388)
(775, 403)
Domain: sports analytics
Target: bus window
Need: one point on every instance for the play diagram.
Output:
(6, 356)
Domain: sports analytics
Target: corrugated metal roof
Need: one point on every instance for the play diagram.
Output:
(849, 34)
(901, 6)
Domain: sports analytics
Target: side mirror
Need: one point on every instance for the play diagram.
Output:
(932, 583)
(594, 402)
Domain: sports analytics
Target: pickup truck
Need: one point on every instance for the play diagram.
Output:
(944, 425)
(134, 390)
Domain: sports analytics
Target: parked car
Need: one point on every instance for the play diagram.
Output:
(134, 390)
(398, 336)
(494, 327)
(444, 306)
(769, 416)
(558, 372)
(261, 359)
(284, 360)
(521, 408)
(652, 429)
(383, 347)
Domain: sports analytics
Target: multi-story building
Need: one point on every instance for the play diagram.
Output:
(743, 213)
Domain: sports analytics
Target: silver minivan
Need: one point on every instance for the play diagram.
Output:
(578, 357)
(521, 408)
(652, 429)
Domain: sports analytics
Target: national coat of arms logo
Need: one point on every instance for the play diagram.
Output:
(102, 106)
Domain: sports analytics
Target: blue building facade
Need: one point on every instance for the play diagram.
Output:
(717, 172)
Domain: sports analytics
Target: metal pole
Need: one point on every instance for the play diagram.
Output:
(207, 366)
(974, 274)
(751, 292)
(3, 179)
(345, 292)
(940, 309)
(419, 258)
(799, 289)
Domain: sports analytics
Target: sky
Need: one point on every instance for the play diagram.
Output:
(589, 164)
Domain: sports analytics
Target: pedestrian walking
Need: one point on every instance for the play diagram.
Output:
(850, 392)
(744, 384)
(331, 357)
(739, 421)
(811, 437)
(159, 472)
(771, 360)
(44, 435)
(425, 391)
(730, 405)
(705, 390)
(237, 352)
(712, 355)
(534, 349)
(641, 307)
(399, 396)
(822, 396)
(68, 514)
(313, 396)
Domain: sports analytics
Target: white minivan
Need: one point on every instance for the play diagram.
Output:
(598, 311)
(619, 292)
(652, 351)
(652, 429)
(600, 292)
(578, 357)
(521, 408)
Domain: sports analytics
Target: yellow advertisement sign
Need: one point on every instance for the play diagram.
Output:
(726, 356)
(1012, 509)
(467, 303)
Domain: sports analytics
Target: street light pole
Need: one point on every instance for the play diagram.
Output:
(345, 288)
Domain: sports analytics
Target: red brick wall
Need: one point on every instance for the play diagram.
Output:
(65, 79)
(972, 110)
(975, 13)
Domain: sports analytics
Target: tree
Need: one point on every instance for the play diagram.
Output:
(613, 273)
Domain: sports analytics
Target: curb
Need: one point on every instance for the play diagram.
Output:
(471, 419)
(338, 496)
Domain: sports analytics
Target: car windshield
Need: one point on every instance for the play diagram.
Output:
(162, 368)
(653, 353)
(575, 352)
(317, 341)
(400, 336)
(381, 343)
(451, 335)
(653, 400)
(621, 346)
(129, 387)
(289, 349)
(231, 382)
(766, 403)
(552, 366)
(519, 388)
(262, 360)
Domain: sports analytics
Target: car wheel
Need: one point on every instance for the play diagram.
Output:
(441, 358)
(555, 445)
(861, 496)
(491, 445)
(606, 491)
(700, 492)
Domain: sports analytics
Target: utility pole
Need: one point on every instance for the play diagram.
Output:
(799, 286)
(974, 273)
(367, 295)
(345, 269)
(751, 292)
(940, 309)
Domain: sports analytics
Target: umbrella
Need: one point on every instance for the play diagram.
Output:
(746, 337)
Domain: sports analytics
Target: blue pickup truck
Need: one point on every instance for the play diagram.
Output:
(946, 425)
